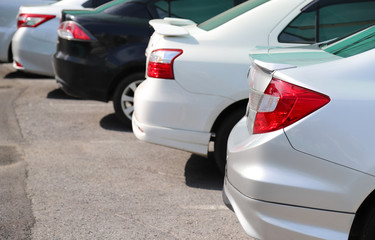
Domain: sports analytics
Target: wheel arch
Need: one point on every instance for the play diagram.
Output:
(225, 113)
(131, 68)
(10, 53)
(361, 216)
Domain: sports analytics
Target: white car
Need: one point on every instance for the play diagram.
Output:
(196, 89)
(301, 163)
(8, 24)
(34, 42)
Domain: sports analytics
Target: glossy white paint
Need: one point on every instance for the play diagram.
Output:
(210, 74)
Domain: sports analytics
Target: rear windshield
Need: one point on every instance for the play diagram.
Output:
(230, 14)
(111, 4)
(196, 10)
(353, 45)
(94, 3)
(129, 9)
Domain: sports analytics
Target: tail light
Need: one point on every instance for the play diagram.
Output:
(281, 105)
(72, 31)
(32, 20)
(160, 64)
(17, 64)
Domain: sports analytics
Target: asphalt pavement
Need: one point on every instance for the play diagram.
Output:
(70, 170)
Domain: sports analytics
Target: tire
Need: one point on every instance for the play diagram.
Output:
(221, 137)
(123, 97)
(368, 231)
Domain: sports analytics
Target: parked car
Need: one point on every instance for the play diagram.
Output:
(301, 162)
(195, 89)
(107, 62)
(8, 24)
(34, 42)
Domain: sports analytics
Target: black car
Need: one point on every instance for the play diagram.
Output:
(101, 53)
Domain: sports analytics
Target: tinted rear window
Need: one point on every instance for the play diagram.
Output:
(94, 3)
(129, 9)
(231, 14)
(196, 10)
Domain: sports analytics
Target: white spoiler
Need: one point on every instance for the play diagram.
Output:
(171, 26)
(270, 67)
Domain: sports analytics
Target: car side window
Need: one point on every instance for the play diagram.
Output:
(196, 10)
(333, 20)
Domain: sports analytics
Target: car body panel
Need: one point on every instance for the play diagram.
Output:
(8, 23)
(280, 221)
(323, 163)
(170, 133)
(120, 45)
(355, 152)
(276, 172)
(227, 44)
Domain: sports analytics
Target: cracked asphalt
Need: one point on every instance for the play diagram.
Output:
(70, 170)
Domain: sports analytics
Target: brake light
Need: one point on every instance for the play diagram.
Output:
(160, 64)
(282, 104)
(32, 20)
(18, 65)
(72, 31)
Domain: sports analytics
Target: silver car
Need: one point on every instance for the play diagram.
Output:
(8, 24)
(301, 162)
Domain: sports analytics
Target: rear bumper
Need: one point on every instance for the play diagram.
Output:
(167, 114)
(280, 193)
(33, 49)
(191, 141)
(82, 78)
(268, 220)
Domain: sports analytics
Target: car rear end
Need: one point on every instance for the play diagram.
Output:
(187, 80)
(8, 24)
(89, 56)
(160, 101)
(297, 168)
(37, 34)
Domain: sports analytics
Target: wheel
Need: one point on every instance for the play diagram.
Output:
(123, 97)
(221, 137)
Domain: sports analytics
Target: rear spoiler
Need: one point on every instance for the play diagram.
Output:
(171, 26)
(266, 69)
(271, 67)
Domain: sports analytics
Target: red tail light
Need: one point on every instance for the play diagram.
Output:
(19, 65)
(283, 104)
(160, 64)
(72, 31)
(32, 20)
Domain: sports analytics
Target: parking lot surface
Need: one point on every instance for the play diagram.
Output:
(70, 170)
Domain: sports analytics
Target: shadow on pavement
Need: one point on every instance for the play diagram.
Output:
(111, 122)
(201, 172)
(60, 94)
(20, 74)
